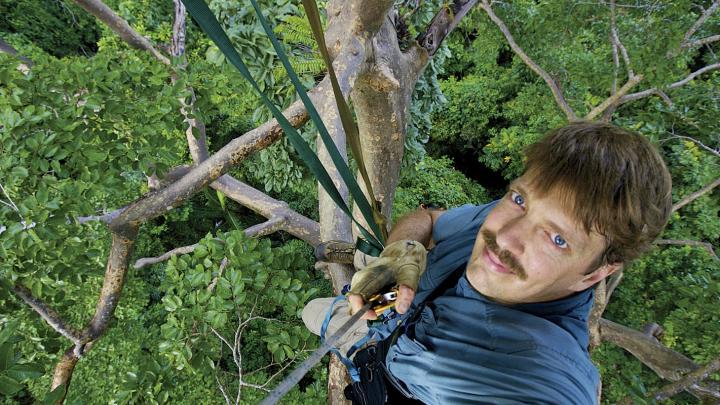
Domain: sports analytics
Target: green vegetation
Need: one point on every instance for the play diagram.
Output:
(80, 133)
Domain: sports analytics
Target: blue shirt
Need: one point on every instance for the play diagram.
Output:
(464, 348)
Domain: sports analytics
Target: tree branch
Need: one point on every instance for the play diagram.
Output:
(293, 223)
(692, 197)
(147, 261)
(666, 363)
(705, 245)
(554, 87)
(715, 152)
(616, 40)
(266, 228)
(610, 101)
(121, 27)
(699, 22)
(106, 218)
(692, 378)
(48, 314)
(443, 24)
(700, 42)
(655, 90)
(7, 48)
(123, 240)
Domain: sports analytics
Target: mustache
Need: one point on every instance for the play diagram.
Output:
(505, 257)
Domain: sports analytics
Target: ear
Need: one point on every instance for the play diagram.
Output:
(596, 276)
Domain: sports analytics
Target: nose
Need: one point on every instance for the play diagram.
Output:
(513, 235)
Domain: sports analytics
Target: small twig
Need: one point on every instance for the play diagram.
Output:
(10, 202)
(274, 224)
(707, 246)
(692, 197)
(654, 90)
(686, 382)
(700, 42)
(219, 336)
(146, 261)
(616, 40)
(48, 314)
(698, 143)
(222, 389)
(554, 87)
(212, 285)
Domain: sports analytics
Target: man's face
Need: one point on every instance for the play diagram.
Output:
(530, 249)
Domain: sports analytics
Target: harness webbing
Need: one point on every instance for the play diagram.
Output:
(373, 243)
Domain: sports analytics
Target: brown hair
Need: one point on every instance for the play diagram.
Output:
(613, 181)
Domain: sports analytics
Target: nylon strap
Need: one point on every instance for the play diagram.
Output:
(207, 21)
(348, 123)
(342, 167)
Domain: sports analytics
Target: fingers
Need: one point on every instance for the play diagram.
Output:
(356, 303)
(404, 299)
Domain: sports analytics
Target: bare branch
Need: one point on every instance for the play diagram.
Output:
(705, 245)
(294, 223)
(616, 41)
(444, 23)
(687, 381)
(106, 218)
(613, 282)
(48, 314)
(700, 42)
(700, 22)
(7, 48)
(692, 197)
(599, 304)
(266, 228)
(693, 75)
(632, 81)
(655, 90)
(554, 87)
(715, 152)
(221, 268)
(178, 39)
(146, 261)
(121, 27)
(666, 363)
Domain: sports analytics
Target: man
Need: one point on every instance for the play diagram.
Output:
(500, 315)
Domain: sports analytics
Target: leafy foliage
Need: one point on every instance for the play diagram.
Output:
(259, 290)
(60, 28)
(434, 181)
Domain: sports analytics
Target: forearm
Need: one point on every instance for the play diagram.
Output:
(417, 225)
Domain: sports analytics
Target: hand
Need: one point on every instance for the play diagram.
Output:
(401, 262)
(402, 304)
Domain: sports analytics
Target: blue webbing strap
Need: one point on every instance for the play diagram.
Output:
(352, 370)
(391, 320)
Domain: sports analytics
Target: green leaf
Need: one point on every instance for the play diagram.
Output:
(8, 386)
(7, 356)
(24, 371)
(19, 172)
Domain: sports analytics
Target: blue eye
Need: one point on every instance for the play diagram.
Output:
(559, 241)
(517, 198)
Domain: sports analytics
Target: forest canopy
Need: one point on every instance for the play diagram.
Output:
(157, 229)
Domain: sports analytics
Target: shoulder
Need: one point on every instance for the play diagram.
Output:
(460, 219)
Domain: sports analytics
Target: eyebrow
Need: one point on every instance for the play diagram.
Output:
(559, 229)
